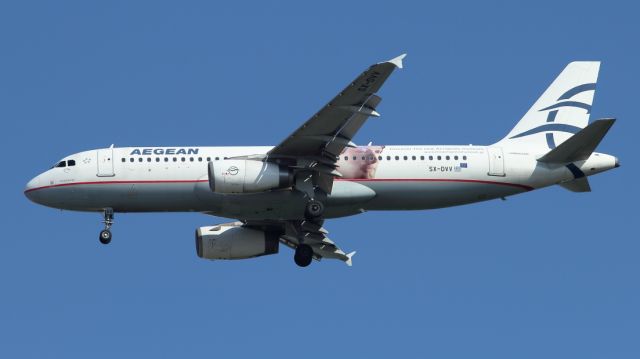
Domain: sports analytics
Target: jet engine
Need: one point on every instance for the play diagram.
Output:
(233, 241)
(248, 176)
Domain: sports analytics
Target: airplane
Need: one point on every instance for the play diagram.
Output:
(282, 195)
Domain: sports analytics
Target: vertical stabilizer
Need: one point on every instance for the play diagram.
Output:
(561, 111)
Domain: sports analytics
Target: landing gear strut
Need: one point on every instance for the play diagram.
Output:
(105, 234)
(303, 255)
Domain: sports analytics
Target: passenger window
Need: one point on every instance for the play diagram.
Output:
(447, 158)
(413, 158)
(217, 158)
(379, 158)
(190, 159)
(363, 158)
(397, 158)
(131, 159)
(166, 159)
(148, 159)
(175, 159)
(199, 159)
(455, 158)
(421, 158)
(346, 158)
(157, 159)
(388, 158)
(124, 159)
(182, 159)
(464, 158)
(430, 158)
(405, 158)
(140, 159)
(439, 158)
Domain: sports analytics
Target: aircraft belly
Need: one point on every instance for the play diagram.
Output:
(128, 197)
(349, 198)
(408, 195)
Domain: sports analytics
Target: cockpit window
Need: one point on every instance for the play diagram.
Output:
(60, 164)
(71, 163)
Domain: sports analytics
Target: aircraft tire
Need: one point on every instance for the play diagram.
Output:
(303, 255)
(105, 236)
(314, 209)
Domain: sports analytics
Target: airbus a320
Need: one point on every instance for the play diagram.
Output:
(282, 195)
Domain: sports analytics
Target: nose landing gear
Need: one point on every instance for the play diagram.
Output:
(105, 234)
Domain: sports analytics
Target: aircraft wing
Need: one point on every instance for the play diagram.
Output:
(310, 233)
(318, 142)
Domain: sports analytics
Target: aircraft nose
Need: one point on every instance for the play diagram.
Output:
(617, 162)
(30, 189)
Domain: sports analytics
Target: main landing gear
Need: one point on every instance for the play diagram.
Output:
(303, 255)
(105, 234)
(314, 209)
(311, 185)
(313, 212)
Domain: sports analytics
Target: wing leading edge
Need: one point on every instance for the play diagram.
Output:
(331, 129)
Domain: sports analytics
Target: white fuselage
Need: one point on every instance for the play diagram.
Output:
(175, 179)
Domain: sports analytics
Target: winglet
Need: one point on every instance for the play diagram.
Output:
(397, 60)
(349, 256)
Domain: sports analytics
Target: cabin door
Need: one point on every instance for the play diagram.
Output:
(105, 162)
(496, 162)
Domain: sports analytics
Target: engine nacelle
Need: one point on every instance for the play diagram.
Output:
(232, 241)
(247, 176)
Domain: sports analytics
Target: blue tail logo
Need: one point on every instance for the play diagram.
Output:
(563, 101)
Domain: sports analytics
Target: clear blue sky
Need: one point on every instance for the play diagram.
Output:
(544, 274)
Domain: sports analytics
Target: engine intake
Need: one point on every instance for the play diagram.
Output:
(233, 241)
(247, 176)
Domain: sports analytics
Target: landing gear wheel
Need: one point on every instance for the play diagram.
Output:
(303, 255)
(105, 236)
(314, 209)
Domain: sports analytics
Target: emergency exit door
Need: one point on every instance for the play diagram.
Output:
(105, 162)
(496, 162)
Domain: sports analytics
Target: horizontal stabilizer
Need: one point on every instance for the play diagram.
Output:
(577, 185)
(579, 146)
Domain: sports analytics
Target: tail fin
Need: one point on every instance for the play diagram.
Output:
(561, 111)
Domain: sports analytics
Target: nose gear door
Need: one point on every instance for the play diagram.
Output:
(105, 162)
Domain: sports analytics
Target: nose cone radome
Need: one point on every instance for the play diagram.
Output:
(31, 189)
(617, 162)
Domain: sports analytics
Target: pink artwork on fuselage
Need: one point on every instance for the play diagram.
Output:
(359, 162)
